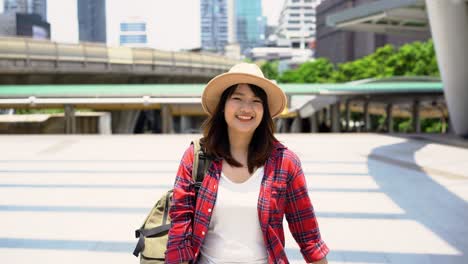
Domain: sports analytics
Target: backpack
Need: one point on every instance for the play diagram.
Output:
(153, 234)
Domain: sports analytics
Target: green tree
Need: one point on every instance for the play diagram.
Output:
(317, 71)
(270, 69)
(412, 59)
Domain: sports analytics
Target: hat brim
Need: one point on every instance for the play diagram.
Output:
(214, 89)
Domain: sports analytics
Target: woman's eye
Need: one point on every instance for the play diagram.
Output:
(235, 98)
(258, 101)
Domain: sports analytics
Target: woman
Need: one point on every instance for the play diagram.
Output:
(252, 183)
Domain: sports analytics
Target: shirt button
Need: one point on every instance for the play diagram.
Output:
(209, 210)
(203, 233)
(214, 186)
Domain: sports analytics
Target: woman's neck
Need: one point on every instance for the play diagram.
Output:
(239, 144)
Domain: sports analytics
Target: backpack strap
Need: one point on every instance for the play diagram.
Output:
(201, 163)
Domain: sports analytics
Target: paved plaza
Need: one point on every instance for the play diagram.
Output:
(378, 198)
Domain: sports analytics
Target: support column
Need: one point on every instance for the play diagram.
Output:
(296, 126)
(124, 121)
(314, 120)
(282, 125)
(449, 23)
(335, 117)
(70, 119)
(416, 117)
(367, 121)
(185, 125)
(104, 124)
(389, 119)
(347, 115)
(166, 117)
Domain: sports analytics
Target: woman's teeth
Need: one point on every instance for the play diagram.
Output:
(245, 117)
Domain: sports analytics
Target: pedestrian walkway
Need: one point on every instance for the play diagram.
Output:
(378, 198)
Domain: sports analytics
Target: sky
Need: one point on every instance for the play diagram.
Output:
(172, 25)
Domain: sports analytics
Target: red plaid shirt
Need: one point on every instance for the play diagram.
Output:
(283, 192)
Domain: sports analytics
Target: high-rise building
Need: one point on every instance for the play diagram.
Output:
(133, 33)
(231, 21)
(25, 18)
(25, 25)
(92, 20)
(250, 24)
(38, 7)
(217, 24)
(297, 22)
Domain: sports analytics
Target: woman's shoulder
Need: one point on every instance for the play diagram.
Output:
(187, 157)
(285, 153)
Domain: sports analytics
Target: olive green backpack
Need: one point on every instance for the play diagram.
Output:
(152, 235)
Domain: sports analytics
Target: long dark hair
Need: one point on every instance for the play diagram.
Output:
(215, 133)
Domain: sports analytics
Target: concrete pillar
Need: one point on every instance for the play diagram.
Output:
(367, 121)
(389, 119)
(296, 126)
(70, 119)
(282, 125)
(104, 124)
(335, 117)
(185, 124)
(449, 24)
(347, 115)
(166, 117)
(416, 117)
(314, 120)
(123, 122)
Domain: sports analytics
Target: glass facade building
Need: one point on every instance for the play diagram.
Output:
(92, 20)
(250, 24)
(214, 24)
(38, 7)
(231, 21)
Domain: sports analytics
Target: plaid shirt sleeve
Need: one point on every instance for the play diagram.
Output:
(179, 245)
(300, 214)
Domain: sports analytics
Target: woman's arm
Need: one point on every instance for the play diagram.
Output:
(301, 216)
(179, 244)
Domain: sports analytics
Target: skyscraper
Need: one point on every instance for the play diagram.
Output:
(38, 7)
(298, 22)
(25, 18)
(250, 24)
(92, 20)
(231, 21)
(217, 24)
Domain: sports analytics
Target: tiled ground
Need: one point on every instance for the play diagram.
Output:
(379, 199)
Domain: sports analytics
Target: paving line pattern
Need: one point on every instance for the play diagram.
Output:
(79, 198)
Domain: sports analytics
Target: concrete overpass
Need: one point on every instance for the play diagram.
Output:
(317, 103)
(448, 22)
(31, 61)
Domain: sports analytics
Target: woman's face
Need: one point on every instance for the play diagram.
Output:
(243, 110)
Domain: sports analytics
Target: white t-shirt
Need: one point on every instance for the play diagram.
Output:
(234, 234)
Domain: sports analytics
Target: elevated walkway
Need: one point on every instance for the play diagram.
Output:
(32, 61)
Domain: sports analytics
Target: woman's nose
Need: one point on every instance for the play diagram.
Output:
(247, 105)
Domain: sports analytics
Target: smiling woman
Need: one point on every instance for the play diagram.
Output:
(252, 183)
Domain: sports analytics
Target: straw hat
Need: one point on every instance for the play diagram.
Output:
(243, 73)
